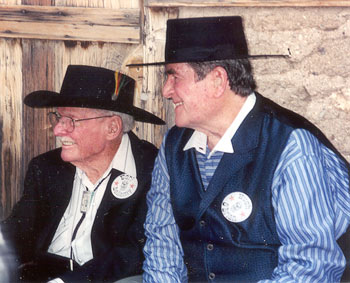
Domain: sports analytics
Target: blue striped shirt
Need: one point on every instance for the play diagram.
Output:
(310, 196)
(207, 166)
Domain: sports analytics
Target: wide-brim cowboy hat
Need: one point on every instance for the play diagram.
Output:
(205, 39)
(93, 87)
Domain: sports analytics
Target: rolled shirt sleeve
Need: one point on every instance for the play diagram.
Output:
(310, 196)
(163, 250)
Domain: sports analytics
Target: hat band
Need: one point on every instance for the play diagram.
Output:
(221, 52)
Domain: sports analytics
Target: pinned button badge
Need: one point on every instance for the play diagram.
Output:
(236, 207)
(124, 186)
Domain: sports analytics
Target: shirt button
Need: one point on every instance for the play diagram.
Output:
(202, 222)
(210, 247)
(211, 276)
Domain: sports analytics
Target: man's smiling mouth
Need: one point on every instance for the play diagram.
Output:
(178, 104)
(67, 142)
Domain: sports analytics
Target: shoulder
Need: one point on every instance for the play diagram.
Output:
(49, 157)
(300, 145)
(289, 118)
(49, 161)
(175, 130)
(304, 145)
(178, 135)
(46, 171)
(142, 147)
(144, 153)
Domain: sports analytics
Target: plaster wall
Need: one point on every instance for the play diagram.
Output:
(315, 80)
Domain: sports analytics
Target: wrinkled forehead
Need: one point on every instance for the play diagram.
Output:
(76, 111)
(177, 68)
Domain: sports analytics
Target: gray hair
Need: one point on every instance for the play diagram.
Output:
(128, 120)
(239, 72)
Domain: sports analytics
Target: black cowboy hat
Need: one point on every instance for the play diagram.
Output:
(93, 87)
(205, 39)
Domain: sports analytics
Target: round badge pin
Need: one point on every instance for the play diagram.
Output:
(236, 207)
(124, 186)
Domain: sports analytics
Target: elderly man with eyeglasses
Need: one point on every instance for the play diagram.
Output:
(83, 206)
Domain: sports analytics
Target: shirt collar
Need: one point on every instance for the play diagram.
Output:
(198, 140)
(123, 161)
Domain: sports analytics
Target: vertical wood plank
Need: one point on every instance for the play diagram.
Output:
(151, 95)
(130, 4)
(38, 69)
(110, 4)
(38, 2)
(10, 122)
(41, 65)
(10, 176)
(10, 2)
(113, 56)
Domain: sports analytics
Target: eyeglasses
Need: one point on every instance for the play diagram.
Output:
(68, 123)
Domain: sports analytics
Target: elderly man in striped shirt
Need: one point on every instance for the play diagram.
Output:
(242, 190)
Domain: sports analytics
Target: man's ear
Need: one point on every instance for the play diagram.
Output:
(220, 81)
(114, 127)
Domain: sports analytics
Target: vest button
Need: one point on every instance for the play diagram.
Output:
(210, 247)
(211, 276)
(202, 222)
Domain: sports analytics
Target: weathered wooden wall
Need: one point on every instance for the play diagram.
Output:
(34, 55)
(10, 120)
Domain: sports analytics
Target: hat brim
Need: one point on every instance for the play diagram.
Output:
(42, 99)
(266, 56)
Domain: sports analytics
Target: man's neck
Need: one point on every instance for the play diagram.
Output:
(224, 119)
(95, 168)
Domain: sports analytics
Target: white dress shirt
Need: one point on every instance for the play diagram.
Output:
(81, 247)
(198, 139)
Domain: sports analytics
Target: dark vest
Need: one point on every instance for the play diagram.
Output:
(216, 248)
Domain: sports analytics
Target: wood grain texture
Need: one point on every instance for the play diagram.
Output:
(151, 97)
(11, 123)
(247, 3)
(109, 4)
(10, 2)
(39, 64)
(38, 69)
(69, 23)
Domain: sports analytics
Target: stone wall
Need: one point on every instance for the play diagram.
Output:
(315, 80)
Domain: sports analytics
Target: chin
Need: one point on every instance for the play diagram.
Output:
(67, 157)
(64, 158)
(181, 124)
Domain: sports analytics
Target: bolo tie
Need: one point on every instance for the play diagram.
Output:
(85, 203)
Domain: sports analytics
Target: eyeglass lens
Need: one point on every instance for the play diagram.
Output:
(66, 122)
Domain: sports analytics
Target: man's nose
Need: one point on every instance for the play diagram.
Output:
(59, 129)
(168, 88)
